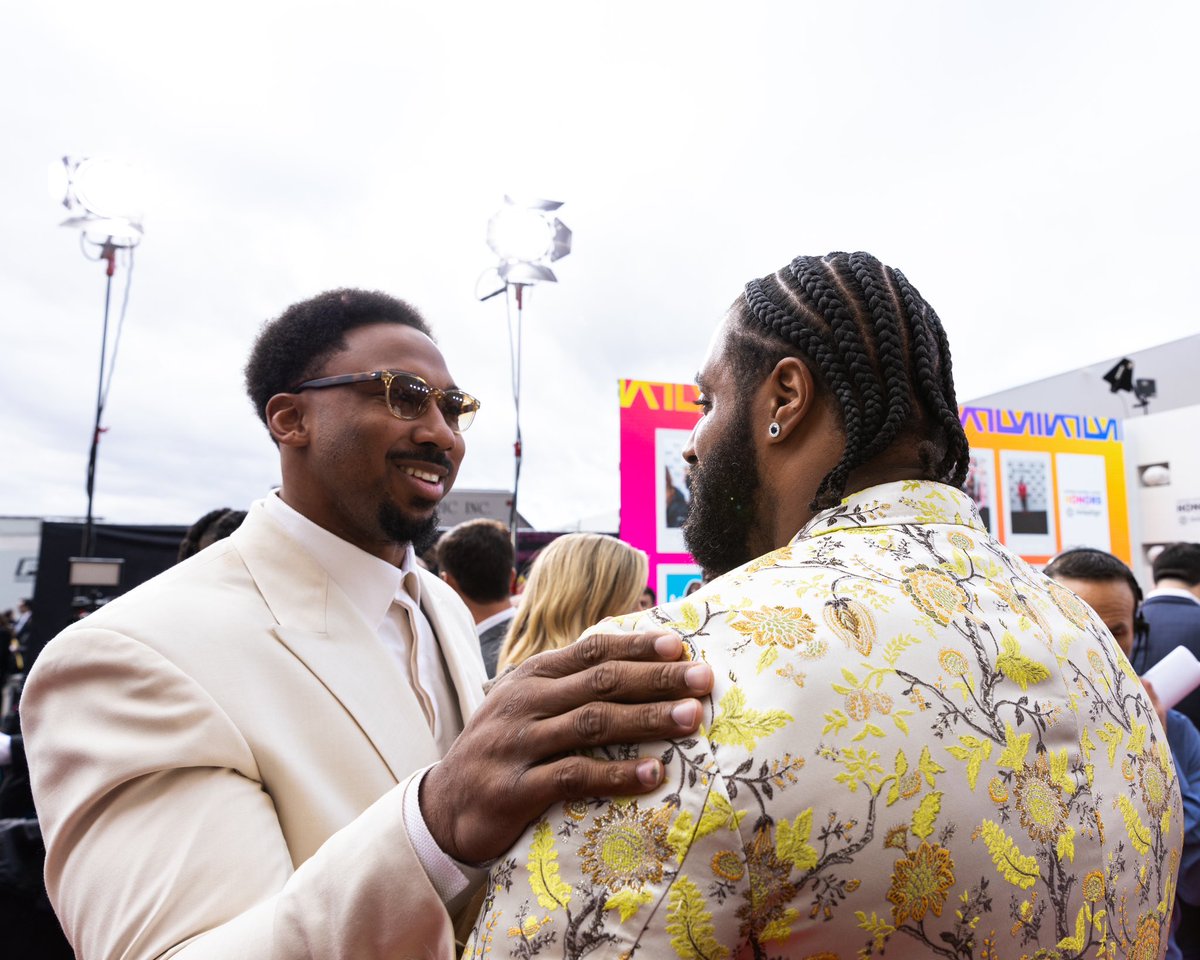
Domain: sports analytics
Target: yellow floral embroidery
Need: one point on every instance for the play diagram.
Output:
(1071, 606)
(852, 623)
(1094, 886)
(728, 865)
(786, 626)
(920, 882)
(1039, 802)
(935, 593)
(627, 847)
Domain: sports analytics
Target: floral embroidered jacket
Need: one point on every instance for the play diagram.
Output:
(916, 744)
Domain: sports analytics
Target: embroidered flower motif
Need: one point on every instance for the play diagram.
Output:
(852, 623)
(934, 592)
(576, 809)
(896, 838)
(728, 865)
(883, 703)
(1095, 661)
(858, 705)
(920, 882)
(953, 662)
(960, 540)
(1155, 786)
(627, 847)
(909, 783)
(1094, 886)
(1071, 606)
(1145, 946)
(786, 626)
(1039, 802)
(769, 891)
(997, 790)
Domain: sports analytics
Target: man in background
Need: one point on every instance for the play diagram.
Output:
(476, 559)
(1172, 609)
(1109, 587)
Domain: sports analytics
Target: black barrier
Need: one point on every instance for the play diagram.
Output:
(146, 550)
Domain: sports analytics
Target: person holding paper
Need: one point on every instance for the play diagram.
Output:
(1108, 586)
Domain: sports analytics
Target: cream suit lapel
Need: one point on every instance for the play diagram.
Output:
(319, 625)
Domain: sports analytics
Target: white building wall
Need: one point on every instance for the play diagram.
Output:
(1171, 512)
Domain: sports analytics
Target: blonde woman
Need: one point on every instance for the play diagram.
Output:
(576, 581)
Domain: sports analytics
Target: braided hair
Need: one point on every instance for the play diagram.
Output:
(874, 343)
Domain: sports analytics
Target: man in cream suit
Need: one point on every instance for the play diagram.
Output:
(240, 758)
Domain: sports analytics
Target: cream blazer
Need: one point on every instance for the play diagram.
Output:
(219, 760)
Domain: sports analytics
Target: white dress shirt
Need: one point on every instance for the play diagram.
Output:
(1173, 592)
(389, 600)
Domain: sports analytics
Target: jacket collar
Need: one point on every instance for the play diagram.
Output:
(895, 504)
(320, 626)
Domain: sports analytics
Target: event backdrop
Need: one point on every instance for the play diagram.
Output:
(656, 419)
(1044, 482)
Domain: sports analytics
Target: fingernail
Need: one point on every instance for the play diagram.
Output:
(699, 678)
(649, 773)
(668, 646)
(686, 713)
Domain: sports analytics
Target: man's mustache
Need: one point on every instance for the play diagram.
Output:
(430, 454)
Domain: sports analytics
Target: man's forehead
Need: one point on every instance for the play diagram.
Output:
(715, 351)
(391, 346)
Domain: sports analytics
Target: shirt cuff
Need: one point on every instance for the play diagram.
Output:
(453, 881)
(6, 750)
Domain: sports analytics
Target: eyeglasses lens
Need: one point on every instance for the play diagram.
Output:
(409, 397)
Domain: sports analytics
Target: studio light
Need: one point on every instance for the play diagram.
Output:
(1120, 379)
(105, 200)
(527, 238)
(104, 197)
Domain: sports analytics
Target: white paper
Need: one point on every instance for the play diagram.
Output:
(1174, 676)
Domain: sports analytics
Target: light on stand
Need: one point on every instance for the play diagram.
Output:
(527, 238)
(104, 197)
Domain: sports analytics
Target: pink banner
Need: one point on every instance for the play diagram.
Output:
(656, 421)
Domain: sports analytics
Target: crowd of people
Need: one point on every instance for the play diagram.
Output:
(871, 730)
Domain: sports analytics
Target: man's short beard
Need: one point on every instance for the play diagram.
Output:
(724, 507)
(401, 528)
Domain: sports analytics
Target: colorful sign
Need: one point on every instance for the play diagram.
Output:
(656, 421)
(1046, 482)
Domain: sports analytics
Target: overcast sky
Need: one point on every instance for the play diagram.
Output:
(1031, 166)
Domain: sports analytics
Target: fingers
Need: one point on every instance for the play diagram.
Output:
(600, 724)
(603, 647)
(576, 778)
(622, 682)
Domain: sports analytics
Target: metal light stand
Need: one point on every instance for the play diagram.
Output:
(108, 253)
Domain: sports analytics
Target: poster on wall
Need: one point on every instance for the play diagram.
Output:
(1045, 482)
(672, 495)
(1028, 509)
(1082, 500)
(656, 422)
(980, 486)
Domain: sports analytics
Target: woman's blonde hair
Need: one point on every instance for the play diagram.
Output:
(576, 581)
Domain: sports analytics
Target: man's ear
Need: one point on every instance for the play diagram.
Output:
(286, 421)
(791, 393)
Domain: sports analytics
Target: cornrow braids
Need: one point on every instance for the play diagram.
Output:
(874, 343)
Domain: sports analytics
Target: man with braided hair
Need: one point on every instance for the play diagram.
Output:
(915, 744)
